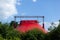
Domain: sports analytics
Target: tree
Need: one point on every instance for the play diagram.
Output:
(34, 34)
(13, 24)
(55, 33)
(8, 33)
(53, 26)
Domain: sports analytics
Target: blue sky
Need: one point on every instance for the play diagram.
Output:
(48, 8)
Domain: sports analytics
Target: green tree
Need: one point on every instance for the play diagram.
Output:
(33, 35)
(8, 33)
(55, 33)
(53, 26)
(13, 24)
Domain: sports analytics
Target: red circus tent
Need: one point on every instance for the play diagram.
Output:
(26, 25)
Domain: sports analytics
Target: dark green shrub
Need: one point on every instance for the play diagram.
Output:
(9, 33)
(55, 34)
(33, 35)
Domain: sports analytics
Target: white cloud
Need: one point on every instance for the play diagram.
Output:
(48, 24)
(34, 0)
(7, 8)
(56, 23)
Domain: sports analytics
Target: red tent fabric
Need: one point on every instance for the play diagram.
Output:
(26, 25)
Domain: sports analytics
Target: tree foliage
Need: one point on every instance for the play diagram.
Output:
(14, 24)
(55, 34)
(34, 34)
(7, 32)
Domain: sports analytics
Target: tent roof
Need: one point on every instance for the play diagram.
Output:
(26, 25)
